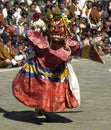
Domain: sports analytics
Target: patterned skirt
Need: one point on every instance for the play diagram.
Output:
(38, 87)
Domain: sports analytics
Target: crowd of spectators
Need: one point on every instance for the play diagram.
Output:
(90, 24)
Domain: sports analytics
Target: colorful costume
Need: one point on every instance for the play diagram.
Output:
(43, 82)
(47, 81)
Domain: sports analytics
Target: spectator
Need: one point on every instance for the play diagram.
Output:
(6, 7)
(63, 9)
(38, 24)
(23, 6)
(2, 27)
(7, 55)
(23, 18)
(20, 50)
(106, 46)
(1, 15)
(3, 62)
(38, 5)
(31, 12)
(48, 5)
(91, 13)
(101, 20)
(76, 32)
(83, 23)
(108, 26)
(10, 19)
(17, 13)
(109, 8)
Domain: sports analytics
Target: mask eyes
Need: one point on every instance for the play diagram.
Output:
(52, 28)
(61, 28)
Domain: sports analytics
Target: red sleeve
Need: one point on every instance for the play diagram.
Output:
(74, 46)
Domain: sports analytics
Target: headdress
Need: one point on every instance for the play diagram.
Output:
(64, 19)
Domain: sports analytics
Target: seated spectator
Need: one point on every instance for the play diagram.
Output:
(38, 24)
(63, 8)
(109, 8)
(10, 19)
(1, 44)
(108, 26)
(23, 6)
(31, 12)
(2, 27)
(106, 46)
(97, 39)
(23, 18)
(1, 15)
(7, 56)
(5, 62)
(20, 49)
(76, 32)
(48, 5)
(83, 23)
(29, 51)
(17, 11)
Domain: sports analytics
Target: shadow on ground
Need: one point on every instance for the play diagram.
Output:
(29, 117)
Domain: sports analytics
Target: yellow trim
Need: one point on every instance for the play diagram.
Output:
(21, 29)
(33, 69)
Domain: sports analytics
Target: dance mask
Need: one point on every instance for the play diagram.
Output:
(58, 28)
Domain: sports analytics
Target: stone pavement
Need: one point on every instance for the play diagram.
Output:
(93, 114)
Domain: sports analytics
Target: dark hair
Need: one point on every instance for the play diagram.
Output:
(85, 33)
(22, 4)
(1, 23)
(24, 12)
(100, 6)
(36, 15)
(10, 12)
(19, 44)
(5, 38)
(32, 5)
(16, 3)
(3, 35)
(6, 4)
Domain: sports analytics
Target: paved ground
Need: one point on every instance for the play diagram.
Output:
(93, 114)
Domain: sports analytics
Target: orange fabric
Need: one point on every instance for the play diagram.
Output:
(43, 94)
(86, 11)
(94, 16)
(2, 18)
(5, 54)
